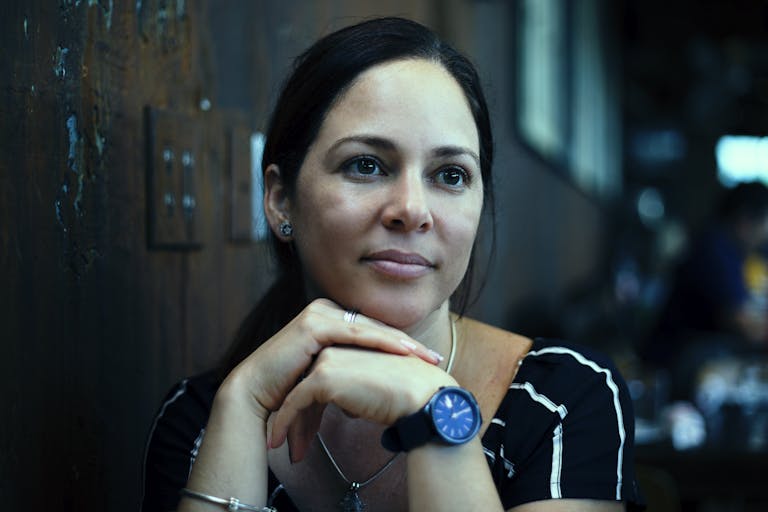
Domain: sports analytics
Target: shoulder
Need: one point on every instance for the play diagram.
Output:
(487, 359)
(489, 342)
(564, 429)
(570, 392)
(560, 357)
(183, 413)
(191, 398)
(572, 375)
(575, 394)
(173, 439)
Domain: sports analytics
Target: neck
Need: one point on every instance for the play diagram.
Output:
(434, 331)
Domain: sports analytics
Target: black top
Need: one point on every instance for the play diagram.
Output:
(565, 429)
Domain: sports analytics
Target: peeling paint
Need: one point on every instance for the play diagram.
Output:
(181, 8)
(73, 161)
(68, 8)
(59, 213)
(100, 140)
(26, 34)
(107, 11)
(73, 141)
(162, 15)
(60, 69)
(78, 202)
(65, 5)
(108, 14)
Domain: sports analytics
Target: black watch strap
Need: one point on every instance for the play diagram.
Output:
(408, 432)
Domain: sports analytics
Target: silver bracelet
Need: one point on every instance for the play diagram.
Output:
(231, 504)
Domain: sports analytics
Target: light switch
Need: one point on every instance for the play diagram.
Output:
(173, 160)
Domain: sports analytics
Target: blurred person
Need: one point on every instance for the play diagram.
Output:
(716, 305)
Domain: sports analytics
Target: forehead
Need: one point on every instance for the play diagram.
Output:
(414, 100)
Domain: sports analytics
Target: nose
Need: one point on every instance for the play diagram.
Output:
(407, 207)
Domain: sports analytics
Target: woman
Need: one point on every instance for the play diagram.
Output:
(352, 384)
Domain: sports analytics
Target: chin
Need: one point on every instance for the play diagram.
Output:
(400, 314)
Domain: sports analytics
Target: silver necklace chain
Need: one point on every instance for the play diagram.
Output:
(452, 354)
(355, 486)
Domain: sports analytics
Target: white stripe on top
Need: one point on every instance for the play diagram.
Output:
(616, 404)
(179, 392)
(195, 449)
(557, 435)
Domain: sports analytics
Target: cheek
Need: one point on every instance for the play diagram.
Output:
(334, 213)
(459, 234)
(461, 223)
(326, 220)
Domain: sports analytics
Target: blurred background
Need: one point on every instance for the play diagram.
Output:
(131, 244)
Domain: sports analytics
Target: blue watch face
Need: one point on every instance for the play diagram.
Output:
(455, 415)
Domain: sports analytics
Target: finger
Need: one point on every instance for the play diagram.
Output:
(303, 430)
(412, 344)
(365, 332)
(424, 353)
(300, 398)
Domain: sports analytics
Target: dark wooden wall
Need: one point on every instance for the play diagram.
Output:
(100, 313)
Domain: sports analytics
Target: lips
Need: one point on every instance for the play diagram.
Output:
(399, 265)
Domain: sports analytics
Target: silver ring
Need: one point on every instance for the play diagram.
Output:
(350, 315)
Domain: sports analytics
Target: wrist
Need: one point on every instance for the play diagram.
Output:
(450, 417)
(236, 393)
(417, 398)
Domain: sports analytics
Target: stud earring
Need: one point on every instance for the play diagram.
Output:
(286, 229)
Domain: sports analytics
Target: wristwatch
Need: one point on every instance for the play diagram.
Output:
(451, 417)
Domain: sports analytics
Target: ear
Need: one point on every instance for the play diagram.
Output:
(276, 201)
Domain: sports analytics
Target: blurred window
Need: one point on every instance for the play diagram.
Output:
(567, 93)
(742, 158)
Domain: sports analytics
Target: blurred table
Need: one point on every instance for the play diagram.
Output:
(724, 466)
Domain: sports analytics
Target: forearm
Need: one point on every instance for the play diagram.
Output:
(232, 461)
(451, 478)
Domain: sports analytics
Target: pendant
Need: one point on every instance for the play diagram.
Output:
(351, 501)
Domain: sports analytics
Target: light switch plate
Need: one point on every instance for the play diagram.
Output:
(174, 163)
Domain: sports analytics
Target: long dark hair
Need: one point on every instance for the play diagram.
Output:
(320, 76)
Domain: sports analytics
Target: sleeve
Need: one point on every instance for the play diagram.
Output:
(598, 439)
(172, 445)
(570, 433)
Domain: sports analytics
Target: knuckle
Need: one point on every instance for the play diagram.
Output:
(308, 319)
(314, 305)
(323, 359)
(318, 305)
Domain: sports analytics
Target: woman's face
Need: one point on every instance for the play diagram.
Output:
(389, 196)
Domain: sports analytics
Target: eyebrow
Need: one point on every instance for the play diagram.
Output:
(388, 145)
(444, 151)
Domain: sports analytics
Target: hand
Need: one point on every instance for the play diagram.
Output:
(372, 385)
(271, 371)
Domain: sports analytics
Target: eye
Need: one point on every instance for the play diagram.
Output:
(454, 177)
(362, 166)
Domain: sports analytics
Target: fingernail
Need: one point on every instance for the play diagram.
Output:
(409, 344)
(436, 356)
